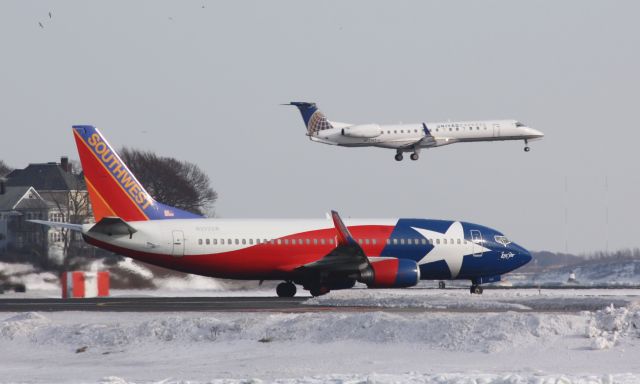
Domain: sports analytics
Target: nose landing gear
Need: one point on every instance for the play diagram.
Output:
(526, 146)
(476, 289)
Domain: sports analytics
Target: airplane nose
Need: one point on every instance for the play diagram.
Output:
(534, 133)
(524, 256)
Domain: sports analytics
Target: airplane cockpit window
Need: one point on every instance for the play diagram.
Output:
(502, 240)
(519, 124)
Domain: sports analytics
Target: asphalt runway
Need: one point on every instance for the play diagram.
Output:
(273, 304)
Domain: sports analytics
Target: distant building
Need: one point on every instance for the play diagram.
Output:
(61, 196)
(17, 205)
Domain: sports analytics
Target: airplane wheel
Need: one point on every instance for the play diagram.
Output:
(414, 156)
(527, 149)
(441, 285)
(399, 157)
(286, 289)
(476, 289)
(315, 292)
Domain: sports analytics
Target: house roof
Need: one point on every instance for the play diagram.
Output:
(45, 177)
(21, 198)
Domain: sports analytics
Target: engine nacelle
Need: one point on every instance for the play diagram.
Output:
(366, 131)
(393, 273)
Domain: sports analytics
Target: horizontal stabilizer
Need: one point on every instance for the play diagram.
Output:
(113, 226)
(55, 224)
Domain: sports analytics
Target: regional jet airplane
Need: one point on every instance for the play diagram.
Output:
(410, 137)
(318, 254)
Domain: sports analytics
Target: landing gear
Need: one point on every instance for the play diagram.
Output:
(414, 156)
(399, 156)
(476, 289)
(318, 291)
(526, 146)
(286, 289)
(441, 285)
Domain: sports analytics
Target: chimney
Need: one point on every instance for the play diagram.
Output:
(2, 187)
(64, 164)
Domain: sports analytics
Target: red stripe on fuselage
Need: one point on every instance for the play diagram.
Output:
(264, 261)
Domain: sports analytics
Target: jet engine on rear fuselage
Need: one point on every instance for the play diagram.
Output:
(392, 273)
(365, 131)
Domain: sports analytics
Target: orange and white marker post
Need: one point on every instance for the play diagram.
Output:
(79, 284)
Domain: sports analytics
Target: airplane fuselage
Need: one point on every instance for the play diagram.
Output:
(408, 137)
(273, 249)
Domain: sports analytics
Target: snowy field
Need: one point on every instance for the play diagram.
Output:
(485, 342)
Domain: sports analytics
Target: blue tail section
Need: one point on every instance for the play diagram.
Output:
(314, 120)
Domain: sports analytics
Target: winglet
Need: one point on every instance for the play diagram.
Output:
(344, 237)
(426, 130)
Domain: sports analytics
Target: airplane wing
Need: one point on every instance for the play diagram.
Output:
(345, 259)
(428, 140)
(55, 224)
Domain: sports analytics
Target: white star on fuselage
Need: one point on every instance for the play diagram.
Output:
(452, 254)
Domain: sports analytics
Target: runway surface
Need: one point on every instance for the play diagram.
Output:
(283, 305)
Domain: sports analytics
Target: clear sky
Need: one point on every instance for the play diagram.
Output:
(204, 84)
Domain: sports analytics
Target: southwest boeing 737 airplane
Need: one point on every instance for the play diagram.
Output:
(410, 137)
(320, 255)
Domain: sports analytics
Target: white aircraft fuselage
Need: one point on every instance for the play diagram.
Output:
(411, 137)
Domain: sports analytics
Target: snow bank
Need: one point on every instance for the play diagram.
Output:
(22, 325)
(450, 300)
(607, 326)
(27, 274)
(319, 347)
(415, 378)
(448, 332)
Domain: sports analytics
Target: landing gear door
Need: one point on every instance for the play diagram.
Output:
(178, 243)
(476, 241)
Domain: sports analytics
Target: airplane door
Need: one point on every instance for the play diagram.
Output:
(496, 130)
(476, 240)
(178, 243)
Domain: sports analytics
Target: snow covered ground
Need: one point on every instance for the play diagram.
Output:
(505, 346)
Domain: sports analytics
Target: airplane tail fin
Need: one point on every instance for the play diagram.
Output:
(314, 120)
(113, 189)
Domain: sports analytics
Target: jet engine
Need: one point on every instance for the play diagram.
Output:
(366, 131)
(392, 273)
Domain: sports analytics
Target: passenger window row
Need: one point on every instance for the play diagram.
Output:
(395, 131)
(230, 241)
(459, 128)
(395, 241)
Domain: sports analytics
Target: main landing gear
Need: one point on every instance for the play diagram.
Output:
(526, 146)
(476, 289)
(318, 291)
(286, 289)
(414, 156)
(441, 285)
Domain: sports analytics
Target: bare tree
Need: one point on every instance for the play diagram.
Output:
(177, 183)
(4, 169)
(73, 207)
